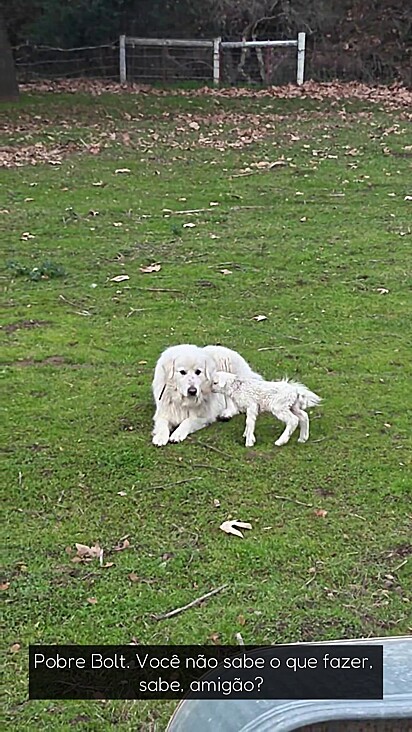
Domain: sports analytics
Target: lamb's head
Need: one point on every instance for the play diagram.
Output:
(222, 382)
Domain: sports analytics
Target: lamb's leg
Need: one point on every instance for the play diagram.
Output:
(291, 422)
(303, 423)
(249, 432)
(229, 411)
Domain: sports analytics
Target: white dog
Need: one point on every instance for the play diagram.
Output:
(287, 400)
(182, 389)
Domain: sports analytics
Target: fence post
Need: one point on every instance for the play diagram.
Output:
(301, 58)
(216, 61)
(122, 59)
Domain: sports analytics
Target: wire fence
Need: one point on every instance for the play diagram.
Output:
(47, 62)
(147, 64)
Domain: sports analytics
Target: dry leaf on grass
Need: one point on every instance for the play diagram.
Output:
(92, 600)
(151, 268)
(120, 278)
(321, 512)
(232, 527)
(122, 544)
(225, 271)
(216, 503)
(26, 236)
(122, 170)
(4, 585)
(258, 318)
(382, 290)
(87, 553)
(133, 577)
(194, 126)
(15, 648)
(189, 226)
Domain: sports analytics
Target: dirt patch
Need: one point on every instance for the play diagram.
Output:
(24, 325)
(49, 361)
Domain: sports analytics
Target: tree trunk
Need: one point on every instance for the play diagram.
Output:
(9, 89)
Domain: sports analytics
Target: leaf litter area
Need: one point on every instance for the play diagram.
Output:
(40, 139)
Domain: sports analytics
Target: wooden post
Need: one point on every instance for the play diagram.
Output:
(216, 61)
(122, 59)
(301, 58)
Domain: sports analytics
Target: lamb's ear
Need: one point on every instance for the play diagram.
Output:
(210, 367)
(222, 379)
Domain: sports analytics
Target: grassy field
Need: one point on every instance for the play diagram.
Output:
(301, 215)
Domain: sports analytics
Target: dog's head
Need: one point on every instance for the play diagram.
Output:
(221, 381)
(190, 374)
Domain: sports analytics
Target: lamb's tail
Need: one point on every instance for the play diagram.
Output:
(308, 398)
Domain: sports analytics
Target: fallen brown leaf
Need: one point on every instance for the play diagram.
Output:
(15, 648)
(121, 545)
(133, 577)
(87, 553)
(215, 638)
(321, 512)
(92, 600)
(4, 585)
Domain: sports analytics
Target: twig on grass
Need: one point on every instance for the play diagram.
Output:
(310, 580)
(158, 289)
(177, 482)
(402, 564)
(215, 449)
(195, 602)
(292, 500)
(211, 467)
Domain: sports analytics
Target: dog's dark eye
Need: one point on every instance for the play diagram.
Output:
(183, 372)
(198, 372)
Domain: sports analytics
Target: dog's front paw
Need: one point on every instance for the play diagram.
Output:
(280, 442)
(178, 435)
(302, 439)
(160, 438)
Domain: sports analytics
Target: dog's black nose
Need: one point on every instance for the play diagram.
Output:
(192, 391)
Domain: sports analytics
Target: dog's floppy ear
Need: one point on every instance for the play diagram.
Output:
(169, 369)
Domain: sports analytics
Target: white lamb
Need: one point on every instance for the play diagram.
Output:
(287, 400)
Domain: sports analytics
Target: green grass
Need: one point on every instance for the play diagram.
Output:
(309, 244)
